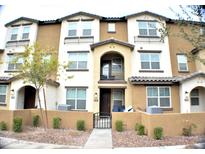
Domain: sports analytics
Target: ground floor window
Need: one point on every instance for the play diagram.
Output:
(76, 97)
(195, 97)
(118, 99)
(3, 89)
(158, 96)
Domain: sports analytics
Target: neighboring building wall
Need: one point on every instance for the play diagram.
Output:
(119, 34)
(177, 45)
(148, 44)
(139, 98)
(48, 36)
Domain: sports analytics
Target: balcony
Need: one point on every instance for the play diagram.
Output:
(17, 43)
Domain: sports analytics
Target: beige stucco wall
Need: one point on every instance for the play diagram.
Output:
(177, 44)
(120, 31)
(140, 101)
(69, 118)
(48, 36)
(199, 65)
(97, 54)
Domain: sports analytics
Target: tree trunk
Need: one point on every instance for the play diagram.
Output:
(45, 103)
(39, 100)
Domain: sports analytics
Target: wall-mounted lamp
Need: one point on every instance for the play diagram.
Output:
(96, 97)
(186, 96)
(12, 93)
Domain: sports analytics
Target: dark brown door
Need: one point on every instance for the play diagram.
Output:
(105, 98)
(29, 97)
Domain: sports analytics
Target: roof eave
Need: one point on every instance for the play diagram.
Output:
(21, 18)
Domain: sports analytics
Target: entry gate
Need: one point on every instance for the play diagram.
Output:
(102, 120)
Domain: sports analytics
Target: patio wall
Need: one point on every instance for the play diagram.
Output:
(172, 123)
(69, 118)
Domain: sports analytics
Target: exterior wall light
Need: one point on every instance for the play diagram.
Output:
(96, 97)
(12, 94)
(186, 96)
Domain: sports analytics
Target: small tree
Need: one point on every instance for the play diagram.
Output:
(38, 67)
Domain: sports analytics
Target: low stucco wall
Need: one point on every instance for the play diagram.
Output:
(69, 118)
(172, 123)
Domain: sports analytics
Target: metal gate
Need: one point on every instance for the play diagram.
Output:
(102, 120)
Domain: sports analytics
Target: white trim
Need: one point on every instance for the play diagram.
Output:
(187, 68)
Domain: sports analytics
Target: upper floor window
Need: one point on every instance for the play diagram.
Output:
(76, 97)
(77, 60)
(182, 63)
(72, 28)
(147, 28)
(14, 34)
(158, 96)
(86, 28)
(150, 60)
(111, 27)
(3, 89)
(25, 34)
(14, 63)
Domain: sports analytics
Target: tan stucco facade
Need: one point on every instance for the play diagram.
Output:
(139, 98)
(178, 44)
(119, 34)
(48, 36)
(199, 65)
(98, 52)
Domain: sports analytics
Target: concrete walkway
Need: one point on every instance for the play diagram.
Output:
(99, 139)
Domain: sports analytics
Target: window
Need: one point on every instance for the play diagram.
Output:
(111, 27)
(25, 34)
(118, 97)
(158, 96)
(150, 61)
(147, 28)
(77, 60)
(195, 97)
(72, 28)
(3, 89)
(76, 97)
(182, 63)
(86, 28)
(14, 34)
(14, 63)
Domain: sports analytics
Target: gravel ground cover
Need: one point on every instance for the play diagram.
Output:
(52, 136)
(129, 138)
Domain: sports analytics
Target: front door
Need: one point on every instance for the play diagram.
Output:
(105, 98)
(29, 97)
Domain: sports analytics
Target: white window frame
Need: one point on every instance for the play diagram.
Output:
(76, 97)
(25, 33)
(111, 27)
(77, 53)
(4, 93)
(77, 29)
(82, 27)
(147, 28)
(180, 63)
(11, 33)
(9, 61)
(158, 97)
(150, 61)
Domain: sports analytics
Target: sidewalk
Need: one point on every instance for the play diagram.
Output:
(8, 143)
(99, 139)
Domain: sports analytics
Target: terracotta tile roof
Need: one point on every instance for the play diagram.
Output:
(190, 76)
(153, 80)
(131, 46)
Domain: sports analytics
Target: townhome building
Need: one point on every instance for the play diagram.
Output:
(116, 64)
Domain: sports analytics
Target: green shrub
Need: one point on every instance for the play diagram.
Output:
(188, 131)
(35, 120)
(56, 122)
(17, 124)
(140, 129)
(3, 126)
(81, 125)
(158, 133)
(119, 125)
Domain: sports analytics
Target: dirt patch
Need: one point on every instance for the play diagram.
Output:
(52, 136)
(131, 139)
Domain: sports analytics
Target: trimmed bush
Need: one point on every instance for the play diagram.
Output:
(188, 131)
(56, 122)
(17, 124)
(3, 126)
(119, 125)
(140, 129)
(158, 133)
(35, 120)
(81, 125)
